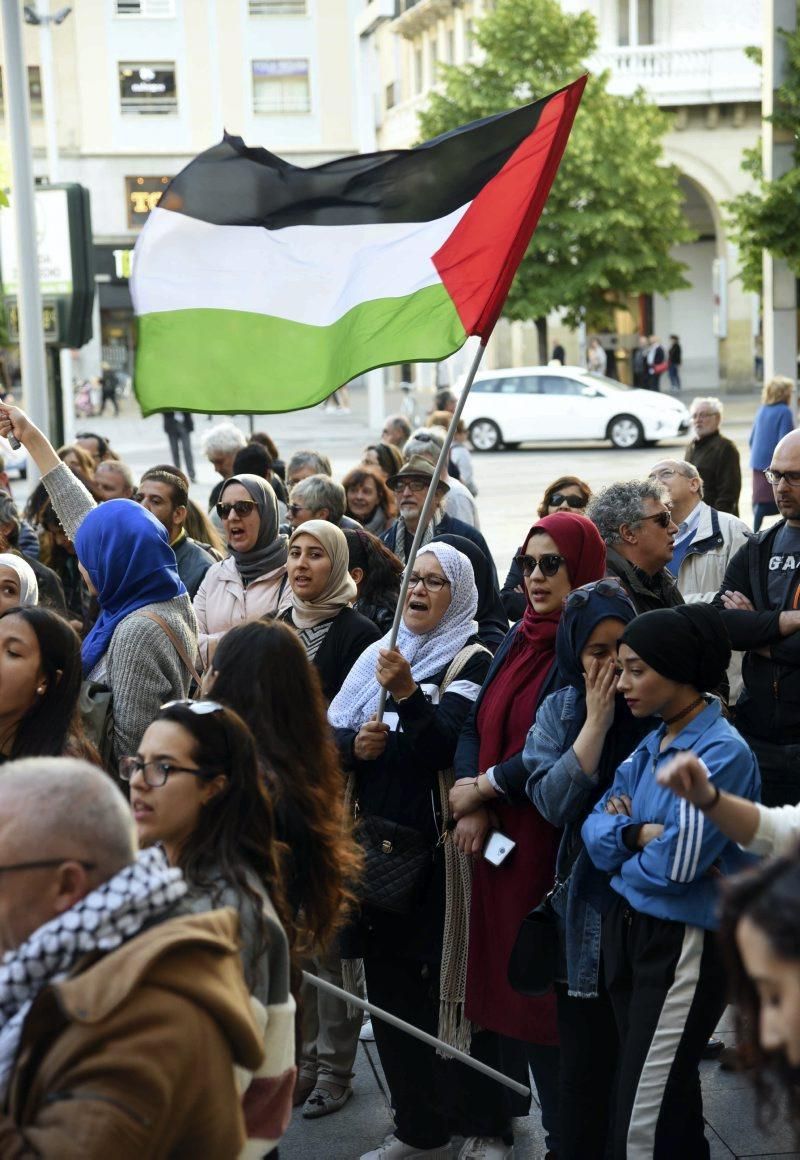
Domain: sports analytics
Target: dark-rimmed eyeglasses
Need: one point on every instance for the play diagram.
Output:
(43, 863)
(430, 583)
(242, 507)
(663, 519)
(155, 773)
(548, 564)
(775, 477)
(608, 586)
(574, 501)
(414, 485)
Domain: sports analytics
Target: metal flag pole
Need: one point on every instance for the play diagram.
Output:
(410, 1029)
(427, 509)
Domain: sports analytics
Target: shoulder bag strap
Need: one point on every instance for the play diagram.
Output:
(459, 662)
(177, 644)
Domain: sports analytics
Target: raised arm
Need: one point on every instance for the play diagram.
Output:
(71, 500)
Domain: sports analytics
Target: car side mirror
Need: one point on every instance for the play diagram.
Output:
(590, 393)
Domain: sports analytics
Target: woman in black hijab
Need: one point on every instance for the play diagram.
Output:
(491, 616)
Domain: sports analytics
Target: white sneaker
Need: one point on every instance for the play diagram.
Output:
(486, 1148)
(394, 1149)
(366, 1034)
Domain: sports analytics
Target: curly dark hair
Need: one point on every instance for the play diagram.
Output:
(262, 671)
(769, 897)
(382, 570)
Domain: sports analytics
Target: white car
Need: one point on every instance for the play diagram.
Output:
(563, 404)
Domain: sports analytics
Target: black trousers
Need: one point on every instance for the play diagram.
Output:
(434, 1098)
(589, 1043)
(780, 771)
(667, 987)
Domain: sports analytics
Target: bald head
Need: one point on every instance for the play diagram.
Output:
(61, 807)
(786, 462)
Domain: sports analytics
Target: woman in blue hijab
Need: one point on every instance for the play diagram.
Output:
(580, 736)
(146, 619)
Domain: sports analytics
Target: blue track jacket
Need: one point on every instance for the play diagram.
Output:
(674, 876)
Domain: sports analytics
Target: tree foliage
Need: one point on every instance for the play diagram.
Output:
(615, 209)
(768, 218)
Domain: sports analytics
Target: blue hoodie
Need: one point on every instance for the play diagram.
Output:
(674, 876)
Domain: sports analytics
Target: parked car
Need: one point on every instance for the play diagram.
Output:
(14, 460)
(565, 404)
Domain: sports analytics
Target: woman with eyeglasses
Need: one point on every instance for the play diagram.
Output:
(369, 500)
(196, 789)
(581, 734)
(377, 573)
(661, 959)
(415, 949)
(565, 494)
(560, 552)
(252, 582)
(146, 632)
(334, 635)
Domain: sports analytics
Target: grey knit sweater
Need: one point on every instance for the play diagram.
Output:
(142, 668)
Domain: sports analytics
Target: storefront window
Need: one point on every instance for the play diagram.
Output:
(147, 88)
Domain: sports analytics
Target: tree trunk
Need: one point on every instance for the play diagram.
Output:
(541, 332)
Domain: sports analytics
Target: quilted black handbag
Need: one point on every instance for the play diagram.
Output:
(397, 863)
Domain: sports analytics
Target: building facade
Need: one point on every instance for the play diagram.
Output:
(689, 58)
(142, 86)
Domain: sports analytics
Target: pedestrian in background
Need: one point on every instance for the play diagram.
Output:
(674, 358)
(772, 421)
(179, 426)
(714, 456)
(596, 359)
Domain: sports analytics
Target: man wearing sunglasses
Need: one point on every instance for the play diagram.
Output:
(121, 1013)
(760, 604)
(639, 532)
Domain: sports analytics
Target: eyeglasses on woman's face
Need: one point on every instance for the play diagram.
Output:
(242, 508)
(431, 582)
(548, 564)
(155, 773)
(573, 501)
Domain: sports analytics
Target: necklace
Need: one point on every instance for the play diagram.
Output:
(684, 712)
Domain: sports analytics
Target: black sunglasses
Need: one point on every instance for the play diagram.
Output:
(548, 564)
(574, 501)
(606, 587)
(242, 507)
(663, 519)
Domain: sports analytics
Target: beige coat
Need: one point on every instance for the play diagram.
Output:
(132, 1056)
(222, 602)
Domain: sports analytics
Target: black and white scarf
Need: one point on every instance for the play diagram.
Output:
(101, 921)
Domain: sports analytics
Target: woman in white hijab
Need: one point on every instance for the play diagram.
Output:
(415, 952)
(334, 635)
(18, 584)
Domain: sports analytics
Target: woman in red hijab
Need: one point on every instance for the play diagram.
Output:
(561, 552)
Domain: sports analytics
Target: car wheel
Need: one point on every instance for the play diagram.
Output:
(484, 435)
(625, 432)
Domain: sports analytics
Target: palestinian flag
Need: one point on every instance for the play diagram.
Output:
(260, 286)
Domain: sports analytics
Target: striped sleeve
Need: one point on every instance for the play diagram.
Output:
(267, 1092)
(688, 843)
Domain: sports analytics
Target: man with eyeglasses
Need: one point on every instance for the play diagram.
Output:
(411, 485)
(715, 457)
(639, 533)
(122, 1014)
(760, 603)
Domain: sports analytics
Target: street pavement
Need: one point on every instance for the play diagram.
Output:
(510, 487)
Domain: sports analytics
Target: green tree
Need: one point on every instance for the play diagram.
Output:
(615, 209)
(768, 217)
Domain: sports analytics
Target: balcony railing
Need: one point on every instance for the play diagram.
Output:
(682, 76)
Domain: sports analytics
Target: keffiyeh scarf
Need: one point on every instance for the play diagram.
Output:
(101, 921)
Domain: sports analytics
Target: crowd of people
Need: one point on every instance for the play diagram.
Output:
(533, 827)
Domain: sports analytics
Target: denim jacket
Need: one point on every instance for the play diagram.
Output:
(564, 795)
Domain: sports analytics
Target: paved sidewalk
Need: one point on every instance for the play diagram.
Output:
(366, 1119)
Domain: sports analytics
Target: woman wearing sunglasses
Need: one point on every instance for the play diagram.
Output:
(565, 494)
(334, 635)
(415, 960)
(581, 734)
(196, 789)
(561, 552)
(251, 582)
(666, 858)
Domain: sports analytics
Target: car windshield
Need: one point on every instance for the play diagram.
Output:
(609, 384)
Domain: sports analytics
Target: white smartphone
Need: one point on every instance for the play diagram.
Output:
(498, 847)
